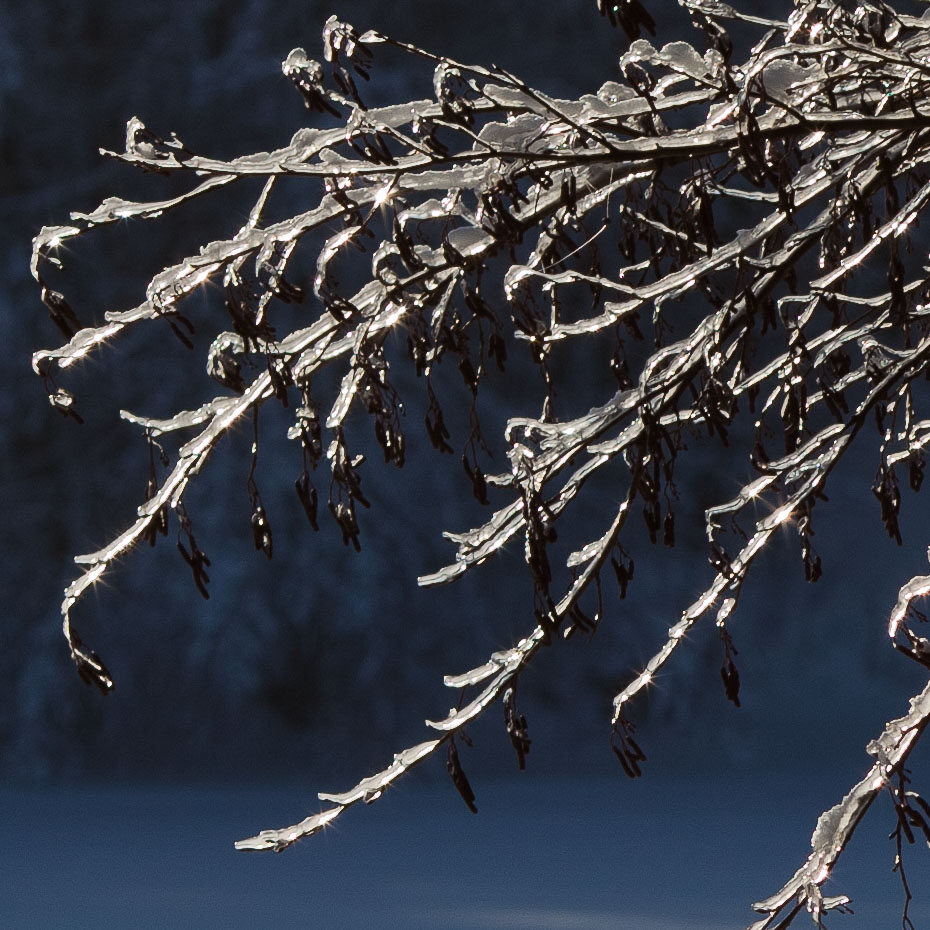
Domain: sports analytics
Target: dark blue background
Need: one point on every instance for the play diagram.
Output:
(317, 666)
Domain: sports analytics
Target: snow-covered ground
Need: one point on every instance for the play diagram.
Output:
(658, 854)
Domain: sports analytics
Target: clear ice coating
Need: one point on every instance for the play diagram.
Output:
(729, 234)
(468, 242)
(368, 790)
(835, 825)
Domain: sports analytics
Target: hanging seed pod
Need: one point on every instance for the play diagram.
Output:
(307, 76)
(63, 401)
(630, 15)
(515, 723)
(478, 483)
(60, 311)
(885, 488)
(457, 774)
(730, 676)
(176, 329)
(306, 492)
(626, 749)
(89, 665)
(281, 378)
(579, 620)
(261, 530)
(668, 529)
(915, 470)
(497, 349)
(159, 522)
(436, 428)
(623, 569)
(198, 562)
(344, 515)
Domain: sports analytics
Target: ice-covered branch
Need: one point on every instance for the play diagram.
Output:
(836, 826)
(729, 244)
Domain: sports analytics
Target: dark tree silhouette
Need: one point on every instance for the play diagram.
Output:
(731, 236)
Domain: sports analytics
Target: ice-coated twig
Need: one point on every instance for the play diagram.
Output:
(836, 825)
(503, 666)
(814, 478)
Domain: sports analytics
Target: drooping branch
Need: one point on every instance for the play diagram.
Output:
(502, 669)
(836, 826)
